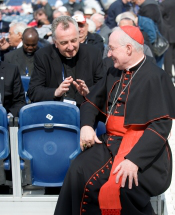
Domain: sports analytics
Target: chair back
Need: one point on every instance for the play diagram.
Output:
(4, 144)
(25, 83)
(49, 136)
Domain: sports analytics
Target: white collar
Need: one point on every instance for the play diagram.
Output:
(136, 63)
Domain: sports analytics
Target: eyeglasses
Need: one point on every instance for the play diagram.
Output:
(111, 49)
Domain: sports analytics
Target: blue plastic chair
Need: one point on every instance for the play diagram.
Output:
(49, 136)
(4, 145)
(100, 128)
(25, 83)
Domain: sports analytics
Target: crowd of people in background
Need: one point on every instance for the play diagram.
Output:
(101, 18)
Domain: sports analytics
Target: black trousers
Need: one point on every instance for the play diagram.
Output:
(88, 172)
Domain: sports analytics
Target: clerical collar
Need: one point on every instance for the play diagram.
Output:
(136, 65)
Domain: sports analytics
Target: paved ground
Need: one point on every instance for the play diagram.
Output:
(169, 195)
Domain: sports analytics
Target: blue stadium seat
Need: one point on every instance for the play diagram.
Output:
(4, 145)
(100, 128)
(25, 83)
(48, 137)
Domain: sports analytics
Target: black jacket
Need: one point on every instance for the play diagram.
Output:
(11, 89)
(47, 74)
(168, 12)
(95, 40)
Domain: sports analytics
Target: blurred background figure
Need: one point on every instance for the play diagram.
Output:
(95, 5)
(26, 7)
(101, 28)
(151, 9)
(88, 12)
(36, 4)
(39, 14)
(115, 9)
(73, 6)
(87, 37)
(4, 26)
(44, 30)
(61, 11)
(58, 4)
(91, 26)
(48, 9)
(167, 8)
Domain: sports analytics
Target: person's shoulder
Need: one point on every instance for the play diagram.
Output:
(105, 28)
(152, 70)
(13, 52)
(89, 48)
(46, 50)
(9, 68)
(94, 36)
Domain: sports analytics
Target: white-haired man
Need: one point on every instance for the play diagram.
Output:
(14, 38)
(101, 27)
(119, 172)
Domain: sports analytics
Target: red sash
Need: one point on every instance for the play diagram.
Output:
(109, 196)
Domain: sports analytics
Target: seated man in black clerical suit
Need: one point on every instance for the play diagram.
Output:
(67, 70)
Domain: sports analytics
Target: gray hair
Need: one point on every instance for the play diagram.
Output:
(125, 39)
(91, 25)
(98, 16)
(19, 27)
(65, 21)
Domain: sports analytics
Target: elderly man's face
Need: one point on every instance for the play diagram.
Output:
(67, 41)
(14, 39)
(83, 31)
(117, 52)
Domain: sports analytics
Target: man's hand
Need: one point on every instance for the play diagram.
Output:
(4, 44)
(88, 137)
(126, 169)
(81, 87)
(64, 87)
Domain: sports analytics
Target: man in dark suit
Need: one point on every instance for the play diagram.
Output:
(167, 9)
(11, 89)
(23, 57)
(67, 70)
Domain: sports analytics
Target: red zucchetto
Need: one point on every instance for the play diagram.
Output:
(134, 33)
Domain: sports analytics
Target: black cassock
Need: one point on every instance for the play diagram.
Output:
(147, 98)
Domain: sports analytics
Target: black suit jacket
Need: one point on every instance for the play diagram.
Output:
(11, 89)
(18, 58)
(47, 74)
(168, 12)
